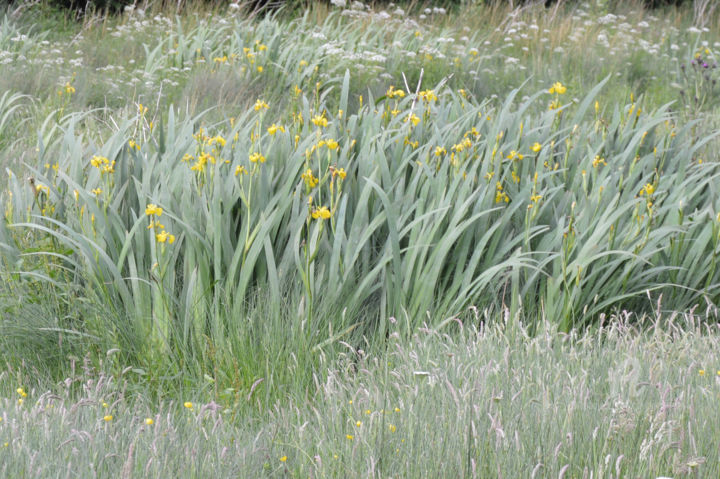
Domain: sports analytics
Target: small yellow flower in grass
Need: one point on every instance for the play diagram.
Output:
(557, 88)
(331, 144)
(152, 209)
(260, 69)
(535, 198)
(350, 437)
(96, 191)
(701, 372)
(20, 401)
(322, 213)
(392, 428)
(320, 121)
(21, 392)
(272, 129)
(257, 157)
(439, 151)
(164, 236)
(310, 180)
(105, 405)
(648, 190)
(188, 405)
(358, 424)
(413, 118)
(149, 421)
(397, 409)
(536, 147)
(240, 170)
(283, 459)
(368, 412)
(428, 95)
(260, 105)
(107, 418)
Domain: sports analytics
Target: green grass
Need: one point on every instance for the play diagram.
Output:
(310, 211)
(475, 401)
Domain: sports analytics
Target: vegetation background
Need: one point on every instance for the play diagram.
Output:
(334, 239)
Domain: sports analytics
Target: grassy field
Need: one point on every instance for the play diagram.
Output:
(352, 242)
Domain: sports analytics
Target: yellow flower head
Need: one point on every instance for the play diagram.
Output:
(152, 209)
(261, 105)
(257, 157)
(331, 144)
(557, 88)
(536, 147)
(240, 170)
(283, 459)
(108, 418)
(322, 213)
(320, 121)
(188, 405)
(149, 421)
(310, 180)
(272, 129)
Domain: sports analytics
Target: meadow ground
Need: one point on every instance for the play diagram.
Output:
(349, 242)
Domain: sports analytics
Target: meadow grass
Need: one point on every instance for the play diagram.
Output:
(634, 398)
(226, 209)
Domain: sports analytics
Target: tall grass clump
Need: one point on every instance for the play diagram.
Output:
(417, 204)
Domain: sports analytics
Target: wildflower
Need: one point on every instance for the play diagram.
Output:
(257, 157)
(188, 405)
(260, 105)
(132, 144)
(240, 170)
(69, 89)
(413, 118)
(310, 180)
(107, 418)
(20, 401)
(331, 144)
(105, 405)
(439, 151)
(322, 213)
(536, 147)
(392, 428)
(428, 95)
(152, 209)
(648, 190)
(149, 421)
(320, 120)
(283, 459)
(557, 88)
(341, 173)
(535, 198)
(272, 129)
(350, 437)
(489, 175)
(164, 236)
(358, 424)
(397, 409)
(393, 93)
(96, 191)
(701, 372)
(21, 392)
(598, 161)
(219, 140)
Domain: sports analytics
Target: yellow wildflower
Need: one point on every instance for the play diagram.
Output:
(320, 120)
(260, 105)
(321, 213)
(149, 421)
(331, 144)
(557, 88)
(272, 129)
(536, 147)
(152, 209)
(107, 418)
(188, 405)
(240, 170)
(257, 157)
